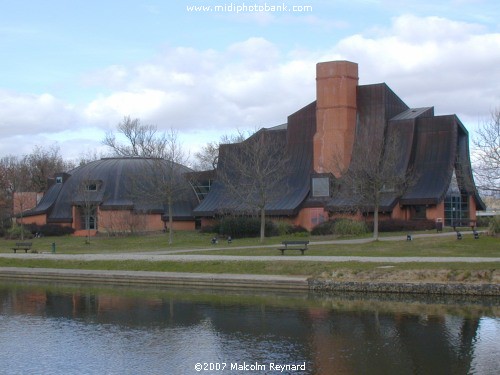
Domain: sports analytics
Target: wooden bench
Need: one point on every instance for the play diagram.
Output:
(293, 245)
(22, 246)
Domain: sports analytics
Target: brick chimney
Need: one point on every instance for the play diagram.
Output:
(336, 83)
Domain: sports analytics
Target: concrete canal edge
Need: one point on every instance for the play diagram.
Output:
(239, 281)
(226, 281)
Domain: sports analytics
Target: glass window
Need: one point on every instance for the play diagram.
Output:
(456, 205)
(456, 210)
(88, 218)
(321, 187)
(420, 212)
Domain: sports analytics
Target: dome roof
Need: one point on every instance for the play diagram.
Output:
(136, 183)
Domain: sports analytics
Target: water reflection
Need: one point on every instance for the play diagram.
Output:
(71, 330)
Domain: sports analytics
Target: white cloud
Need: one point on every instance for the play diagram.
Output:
(30, 115)
(431, 61)
(427, 61)
(434, 29)
(139, 103)
(242, 86)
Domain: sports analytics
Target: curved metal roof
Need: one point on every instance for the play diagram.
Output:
(441, 147)
(430, 149)
(434, 159)
(286, 199)
(120, 183)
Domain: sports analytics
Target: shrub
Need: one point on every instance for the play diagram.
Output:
(483, 221)
(214, 228)
(494, 228)
(397, 225)
(343, 227)
(283, 228)
(298, 230)
(349, 227)
(271, 229)
(49, 230)
(323, 229)
(14, 233)
(5, 224)
(244, 226)
(55, 230)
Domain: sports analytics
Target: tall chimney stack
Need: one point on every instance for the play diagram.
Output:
(336, 83)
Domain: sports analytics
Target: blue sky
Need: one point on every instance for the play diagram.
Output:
(71, 70)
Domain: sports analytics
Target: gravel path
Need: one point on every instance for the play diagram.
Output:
(235, 258)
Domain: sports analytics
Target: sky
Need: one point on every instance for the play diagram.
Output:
(70, 71)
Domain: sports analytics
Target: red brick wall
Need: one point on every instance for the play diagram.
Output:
(336, 108)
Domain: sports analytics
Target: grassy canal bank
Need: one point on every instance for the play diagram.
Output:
(196, 243)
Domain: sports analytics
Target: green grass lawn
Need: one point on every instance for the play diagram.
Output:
(243, 267)
(435, 246)
(420, 247)
(105, 244)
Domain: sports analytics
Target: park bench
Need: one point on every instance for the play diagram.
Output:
(22, 246)
(293, 245)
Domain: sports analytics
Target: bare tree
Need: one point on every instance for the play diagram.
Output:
(42, 164)
(89, 156)
(168, 160)
(22, 177)
(164, 183)
(254, 173)
(376, 172)
(32, 171)
(87, 200)
(11, 174)
(487, 154)
(207, 158)
(172, 184)
(15, 185)
(140, 140)
(5, 193)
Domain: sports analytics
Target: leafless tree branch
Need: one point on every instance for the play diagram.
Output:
(487, 154)
(376, 170)
(140, 140)
(253, 172)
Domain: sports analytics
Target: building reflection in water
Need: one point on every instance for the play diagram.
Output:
(333, 335)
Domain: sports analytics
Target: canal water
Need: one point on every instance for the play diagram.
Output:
(76, 329)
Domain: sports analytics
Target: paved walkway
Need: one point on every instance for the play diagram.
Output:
(246, 258)
(236, 258)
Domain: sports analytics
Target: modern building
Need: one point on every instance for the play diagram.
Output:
(320, 138)
(116, 195)
(318, 142)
